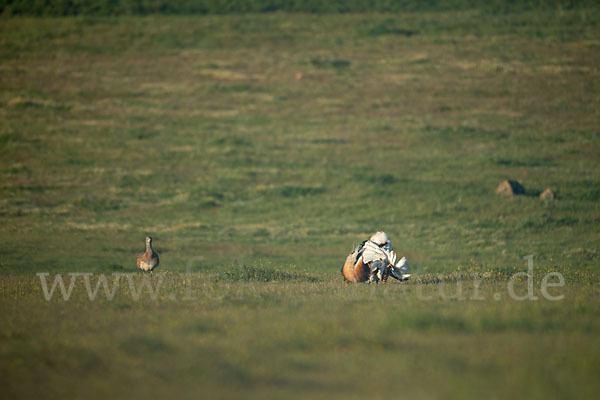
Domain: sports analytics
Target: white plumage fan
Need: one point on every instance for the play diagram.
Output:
(374, 260)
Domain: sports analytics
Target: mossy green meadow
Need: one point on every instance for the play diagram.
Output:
(256, 150)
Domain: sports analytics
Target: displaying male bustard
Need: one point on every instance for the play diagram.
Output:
(147, 260)
(374, 260)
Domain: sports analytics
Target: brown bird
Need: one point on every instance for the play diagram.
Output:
(147, 260)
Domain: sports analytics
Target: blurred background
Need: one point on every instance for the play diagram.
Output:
(270, 136)
(289, 136)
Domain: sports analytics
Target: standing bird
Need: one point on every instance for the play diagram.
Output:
(147, 260)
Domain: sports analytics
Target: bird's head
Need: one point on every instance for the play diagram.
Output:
(381, 239)
(148, 240)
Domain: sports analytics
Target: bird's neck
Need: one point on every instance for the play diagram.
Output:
(149, 247)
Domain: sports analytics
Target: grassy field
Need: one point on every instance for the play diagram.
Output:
(257, 149)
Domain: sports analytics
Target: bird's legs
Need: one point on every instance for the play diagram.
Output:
(372, 276)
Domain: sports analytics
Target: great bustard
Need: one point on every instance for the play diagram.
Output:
(147, 260)
(374, 260)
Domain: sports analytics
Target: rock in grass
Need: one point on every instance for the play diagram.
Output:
(547, 194)
(510, 188)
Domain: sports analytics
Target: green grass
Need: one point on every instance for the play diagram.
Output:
(262, 334)
(260, 148)
(204, 7)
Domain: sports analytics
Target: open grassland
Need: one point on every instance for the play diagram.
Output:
(288, 138)
(257, 149)
(235, 335)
